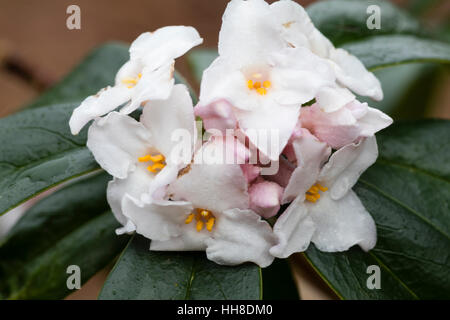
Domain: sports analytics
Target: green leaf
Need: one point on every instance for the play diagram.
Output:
(384, 51)
(143, 274)
(346, 20)
(407, 192)
(73, 226)
(37, 151)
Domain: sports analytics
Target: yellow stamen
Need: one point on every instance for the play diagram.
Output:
(313, 194)
(210, 224)
(250, 84)
(157, 158)
(261, 91)
(189, 218)
(257, 85)
(145, 158)
(199, 226)
(155, 167)
(129, 80)
(267, 84)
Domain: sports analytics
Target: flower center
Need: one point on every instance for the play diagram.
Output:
(131, 82)
(312, 195)
(157, 159)
(203, 217)
(258, 83)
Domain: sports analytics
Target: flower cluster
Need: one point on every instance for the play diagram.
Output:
(284, 130)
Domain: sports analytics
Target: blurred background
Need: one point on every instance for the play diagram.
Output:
(37, 50)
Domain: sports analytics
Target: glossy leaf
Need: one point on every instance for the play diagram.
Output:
(383, 51)
(142, 274)
(73, 226)
(346, 20)
(38, 152)
(407, 192)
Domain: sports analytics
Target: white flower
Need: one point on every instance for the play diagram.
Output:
(143, 157)
(207, 210)
(325, 210)
(148, 75)
(300, 32)
(264, 79)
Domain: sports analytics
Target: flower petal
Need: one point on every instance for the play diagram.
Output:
(104, 101)
(189, 240)
(293, 229)
(169, 120)
(136, 184)
(215, 186)
(248, 32)
(333, 98)
(350, 72)
(346, 165)
(269, 128)
(311, 155)
(161, 220)
(240, 236)
(153, 85)
(341, 224)
(164, 45)
(298, 75)
(116, 141)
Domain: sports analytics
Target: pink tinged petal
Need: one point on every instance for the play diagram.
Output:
(249, 31)
(250, 172)
(311, 155)
(269, 128)
(341, 224)
(346, 165)
(350, 72)
(210, 184)
(160, 220)
(153, 85)
(337, 128)
(135, 185)
(217, 115)
(164, 45)
(293, 229)
(265, 198)
(117, 141)
(240, 236)
(104, 101)
(172, 125)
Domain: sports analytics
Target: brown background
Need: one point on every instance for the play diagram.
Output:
(37, 50)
